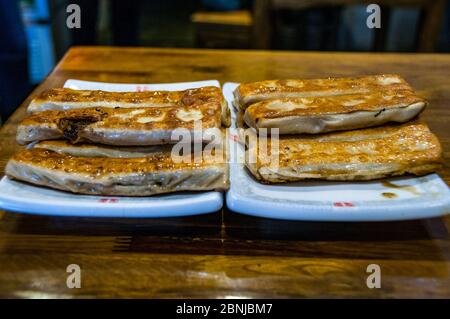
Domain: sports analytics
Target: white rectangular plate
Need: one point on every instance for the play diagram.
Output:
(26, 198)
(415, 197)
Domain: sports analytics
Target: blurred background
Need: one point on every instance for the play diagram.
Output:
(34, 35)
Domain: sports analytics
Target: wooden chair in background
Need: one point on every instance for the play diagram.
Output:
(223, 29)
(256, 29)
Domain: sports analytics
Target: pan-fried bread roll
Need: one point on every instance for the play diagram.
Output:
(248, 93)
(60, 99)
(122, 126)
(156, 173)
(334, 113)
(98, 150)
(354, 155)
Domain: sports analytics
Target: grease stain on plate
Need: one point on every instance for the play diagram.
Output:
(407, 188)
(389, 195)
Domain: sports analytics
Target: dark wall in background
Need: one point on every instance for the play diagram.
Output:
(14, 82)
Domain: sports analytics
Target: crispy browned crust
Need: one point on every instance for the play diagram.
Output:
(151, 98)
(354, 155)
(332, 113)
(341, 104)
(249, 93)
(99, 150)
(65, 99)
(119, 126)
(150, 175)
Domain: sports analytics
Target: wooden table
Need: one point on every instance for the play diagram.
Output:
(226, 254)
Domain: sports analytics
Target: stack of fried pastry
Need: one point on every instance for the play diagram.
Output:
(337, 129)
(122, 143)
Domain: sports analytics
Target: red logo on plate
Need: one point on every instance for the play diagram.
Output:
(108, 200)
(141, 88)
(343, 204)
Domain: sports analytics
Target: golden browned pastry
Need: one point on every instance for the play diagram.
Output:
(98, 150)
(353, 155)
(116, 172)
(122, 126)
(248, 93)
(333, 113)
(66, 99)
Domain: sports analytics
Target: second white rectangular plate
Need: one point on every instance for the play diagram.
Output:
(391, 199)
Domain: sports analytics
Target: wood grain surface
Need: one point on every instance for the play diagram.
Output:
(227, 254)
